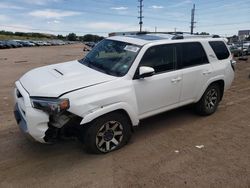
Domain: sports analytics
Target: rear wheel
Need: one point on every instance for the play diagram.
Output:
(209, 101)
(107, 133)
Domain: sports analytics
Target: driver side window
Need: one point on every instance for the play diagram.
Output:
(162, 58)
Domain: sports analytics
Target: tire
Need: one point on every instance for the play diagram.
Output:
(209, 101)
(107, 133)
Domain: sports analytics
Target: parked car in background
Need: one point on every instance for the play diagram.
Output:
(34, 42)
(246, 47)
(236, 51)
(90, 44)
(2, 45)
(30, 43)
(25, 43)
(39, 43)
(14, 44)
(7, 44)
(240, 51)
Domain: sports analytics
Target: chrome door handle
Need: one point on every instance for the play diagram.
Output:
(174, 80)
(207, 72)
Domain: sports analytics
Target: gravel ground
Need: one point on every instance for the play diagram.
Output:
(161, 153)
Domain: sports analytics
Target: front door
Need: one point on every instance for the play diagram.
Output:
(162, 89)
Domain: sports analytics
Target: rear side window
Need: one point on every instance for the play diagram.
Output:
(219, 49)
(192, 54)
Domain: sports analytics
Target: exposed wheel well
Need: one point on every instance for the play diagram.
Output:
(221, 85)
(83, 129)
(122, 111)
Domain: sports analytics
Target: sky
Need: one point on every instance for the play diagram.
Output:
(223, 17)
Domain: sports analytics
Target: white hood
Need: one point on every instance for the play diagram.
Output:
(55, 80)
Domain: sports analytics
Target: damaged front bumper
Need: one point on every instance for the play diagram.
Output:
(22, 123)
(31, 121)
(39, 125)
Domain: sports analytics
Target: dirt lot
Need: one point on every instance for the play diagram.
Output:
(150, 159)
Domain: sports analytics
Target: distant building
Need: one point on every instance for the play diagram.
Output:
(243, 34)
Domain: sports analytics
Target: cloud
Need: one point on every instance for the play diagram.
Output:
(110, 26)
(182, 3)
(119, 8)
(3, 18)
(4, 5)
(17, 27)
(52, 13)
(54, 22)
(157, 7)
(176, 15)
(41, 2)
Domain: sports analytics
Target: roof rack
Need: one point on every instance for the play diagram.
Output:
(172, 33)
(200, 36)
(179, 35)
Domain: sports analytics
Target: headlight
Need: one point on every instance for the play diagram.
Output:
(50, 105)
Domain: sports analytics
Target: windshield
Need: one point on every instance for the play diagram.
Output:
(111, 57)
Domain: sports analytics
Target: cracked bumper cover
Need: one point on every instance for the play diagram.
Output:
(32, 122)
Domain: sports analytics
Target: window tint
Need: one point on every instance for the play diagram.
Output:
(162, 58)
(219, 49)
(192, 54)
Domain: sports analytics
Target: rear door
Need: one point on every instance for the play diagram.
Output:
(196, 70)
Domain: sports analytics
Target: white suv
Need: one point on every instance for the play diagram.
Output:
(121, 81)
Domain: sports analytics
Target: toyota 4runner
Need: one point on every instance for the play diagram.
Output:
(122, 80)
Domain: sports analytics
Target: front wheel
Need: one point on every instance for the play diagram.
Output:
(208, 103)
(107, 133)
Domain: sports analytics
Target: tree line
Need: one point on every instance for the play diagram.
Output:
(87, 38)
(70, 36)
(22, 34)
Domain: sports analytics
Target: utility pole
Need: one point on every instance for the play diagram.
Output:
(140, 14)
(192, 19)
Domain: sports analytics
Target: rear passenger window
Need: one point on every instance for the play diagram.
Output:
(219, 49)
(162, 58)
(192, 54)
